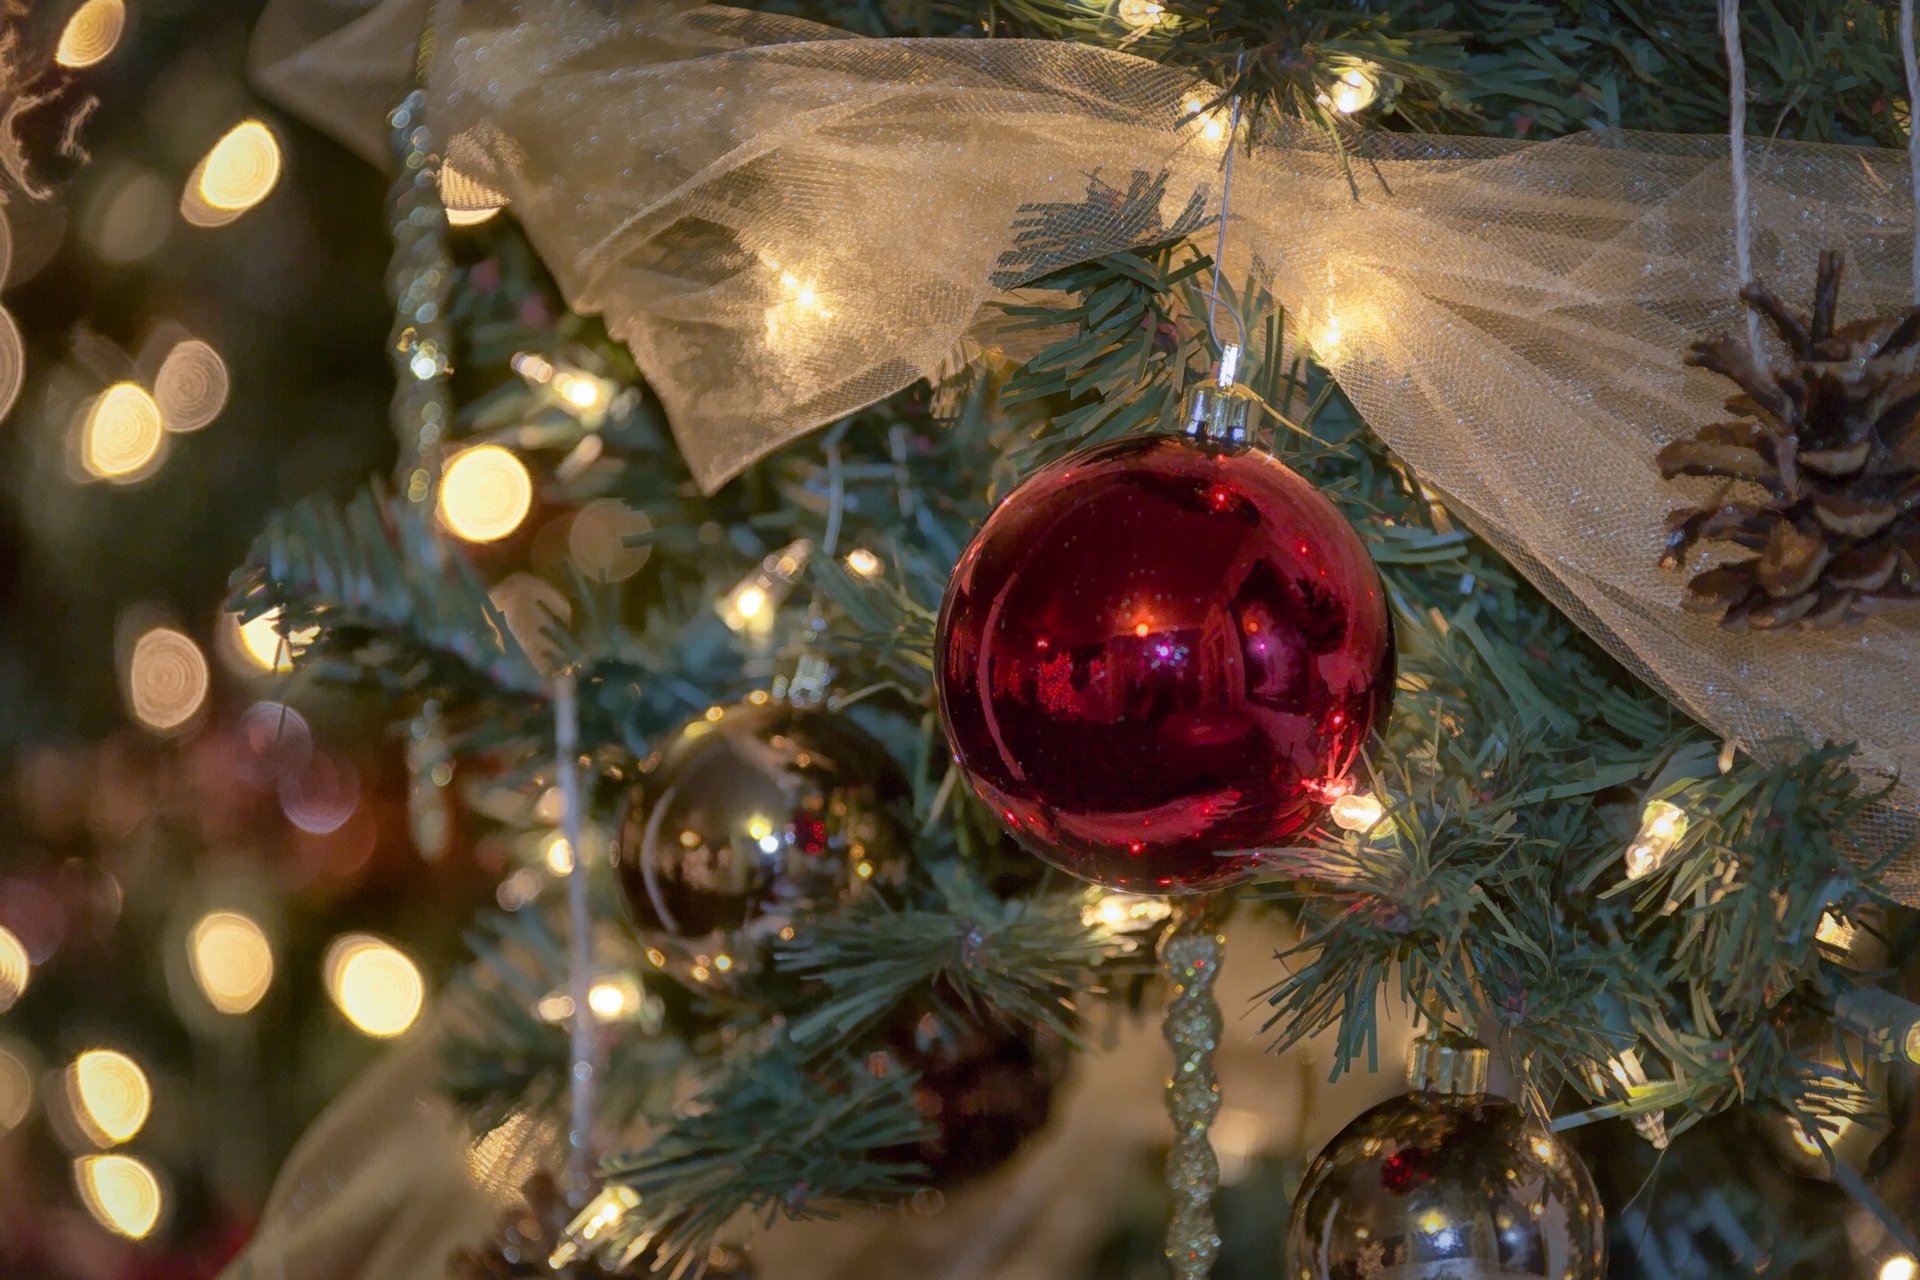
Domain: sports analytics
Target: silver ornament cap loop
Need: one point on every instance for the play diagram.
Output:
(1220, 411)
(1448, 1062)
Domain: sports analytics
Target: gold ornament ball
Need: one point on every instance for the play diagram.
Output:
(1436, 1186)
(751, 816)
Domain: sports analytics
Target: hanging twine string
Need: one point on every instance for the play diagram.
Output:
(582, 1055)
(1913, 130)
(1737, 148)
(1226, 196)
(1190, 956)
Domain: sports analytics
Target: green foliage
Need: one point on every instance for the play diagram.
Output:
(1515, 768)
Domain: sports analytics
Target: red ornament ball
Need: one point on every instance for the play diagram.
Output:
(1159, 651)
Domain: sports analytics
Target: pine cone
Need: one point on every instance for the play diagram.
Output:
(1822, 469)
(529, 1234)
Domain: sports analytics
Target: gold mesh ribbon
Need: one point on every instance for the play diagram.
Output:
(786, 223)
(1190, 955)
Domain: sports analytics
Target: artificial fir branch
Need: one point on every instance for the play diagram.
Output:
(1026, 960)
(774, 1134)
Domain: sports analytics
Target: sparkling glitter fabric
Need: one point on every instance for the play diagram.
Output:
(786, 223)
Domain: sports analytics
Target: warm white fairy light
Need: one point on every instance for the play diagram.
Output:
(1626, 1068)
(120, 437)
(1899, 1267)
(238, 173)
(1662, 826)
(122, 1194)
(109, 1096)
(260, 644)
(1125, 912)
(862, 563)
(602, 1213)
(191, 386)
(377, 988)
(231, 959)
(1358, 811)
(16, 968)
(91, 33)
(13, 361)
(16, 1086)
(1210, 123)
(557, 854)
(1354, 90)
(751, 605)
(166, 679)
(485, 492)
(607, 539)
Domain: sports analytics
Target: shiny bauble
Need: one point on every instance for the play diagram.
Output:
(1159, 651)
(1434, 1186)
(745, 819)
(986, 1088)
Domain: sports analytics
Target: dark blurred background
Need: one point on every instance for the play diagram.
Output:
(154, 873)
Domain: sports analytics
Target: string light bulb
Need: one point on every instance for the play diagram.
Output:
(121, 1193)
(263, 647)
(1899, 1267)
(751, 605)
(1211, 124)
(862, 563)
(109, 1096)
(485, 493)
(122, 434)
(374, 985)
(1662, 826)
(231, 959)
(1357, 811)
(1354, 90)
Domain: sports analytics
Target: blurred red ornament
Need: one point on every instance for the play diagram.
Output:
(1159, 651)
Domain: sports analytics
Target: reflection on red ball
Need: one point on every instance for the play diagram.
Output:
(1156, 652)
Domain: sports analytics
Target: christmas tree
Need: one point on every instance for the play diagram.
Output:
(916, 522)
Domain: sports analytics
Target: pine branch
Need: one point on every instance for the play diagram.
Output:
(772, 1135)
(1025, 960)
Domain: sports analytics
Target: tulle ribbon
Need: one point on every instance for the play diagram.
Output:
(786, 223)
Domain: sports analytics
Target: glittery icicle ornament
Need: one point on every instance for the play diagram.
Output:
(1190, 955)
(420, 281)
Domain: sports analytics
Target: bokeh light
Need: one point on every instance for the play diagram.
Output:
(91, 33)
(231, 960)
(129, 214)
(121, 437)
(191, 387)
(16, 968)
(121, 1193)
(1899, 1267)
(13, 362)
(321, 797)
(863, 563)
(16, 1086)
(166, 679)
(109, 1095)
(485, 492)
(602, 540)
(237, 174)
(371, 982)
